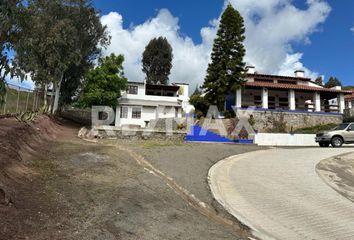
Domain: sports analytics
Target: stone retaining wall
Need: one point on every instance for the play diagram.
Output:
(139, 134)
(80, 116)
(266, 121)
(168, 123)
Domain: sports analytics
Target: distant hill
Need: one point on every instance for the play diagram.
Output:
(348, 88)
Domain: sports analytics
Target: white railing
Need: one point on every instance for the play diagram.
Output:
(149, 97)
(286, 139)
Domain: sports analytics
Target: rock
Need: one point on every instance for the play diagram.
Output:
(82, 132)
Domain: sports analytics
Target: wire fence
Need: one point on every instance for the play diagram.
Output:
(20, 99)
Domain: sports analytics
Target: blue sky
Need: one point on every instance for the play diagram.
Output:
(281, 35)
(332, 50)
(328, 48)
(193, 15)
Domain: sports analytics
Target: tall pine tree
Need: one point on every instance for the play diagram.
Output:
(157, 61)
(333, 82)
(319, 81)
(225, 73)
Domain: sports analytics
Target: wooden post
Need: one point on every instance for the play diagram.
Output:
(5, 103)
(18, 98)
(27, 99)
(34, 99)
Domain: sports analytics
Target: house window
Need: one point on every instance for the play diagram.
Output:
(123, 112)
(132, 89)
(136, 113)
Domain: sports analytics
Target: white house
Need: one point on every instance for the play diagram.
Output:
(349, 101)
(143, 102)
(292, 93)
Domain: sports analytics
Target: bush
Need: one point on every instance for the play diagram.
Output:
(200, 104)
(316, 129)
(103, 85)
(228, 114)
(348, 119)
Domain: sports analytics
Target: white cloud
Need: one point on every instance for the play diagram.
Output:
(271, 27)
(190, 60)
(26, 83)
(352, 29)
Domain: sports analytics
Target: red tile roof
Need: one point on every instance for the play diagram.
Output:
(294, 87)
(278, 77)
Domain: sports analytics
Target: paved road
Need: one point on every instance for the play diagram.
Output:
(279, 195)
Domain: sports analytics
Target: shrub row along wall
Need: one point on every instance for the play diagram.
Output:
(77, 115)
(272, 121)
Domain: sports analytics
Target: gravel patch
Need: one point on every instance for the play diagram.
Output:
(338, 172)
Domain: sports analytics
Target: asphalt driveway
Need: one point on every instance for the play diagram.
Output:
(278, 194)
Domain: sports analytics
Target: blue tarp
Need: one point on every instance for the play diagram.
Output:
(197, 135)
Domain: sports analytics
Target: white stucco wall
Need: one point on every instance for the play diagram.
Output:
(148, 113)
(129, 120)
(166, 112)
(279, 139)
(160, 108)
(141, 95)
(184, 97)
(350, 104)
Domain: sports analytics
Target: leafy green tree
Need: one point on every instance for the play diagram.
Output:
(226, 72)
(333, 82)
(319, 81)
(199, 102)
(157, 61)
(103, 85)
(92, 37)
(51, 40)
(72, 83)
(9, 11)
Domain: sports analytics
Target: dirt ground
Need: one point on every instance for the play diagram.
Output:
(54, 185)
(338, 172)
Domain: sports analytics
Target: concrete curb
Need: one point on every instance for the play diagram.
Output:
(214, 177)
(267, 226)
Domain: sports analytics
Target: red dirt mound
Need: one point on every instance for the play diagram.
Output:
(19, 143)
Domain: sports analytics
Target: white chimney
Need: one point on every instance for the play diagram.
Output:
(337, 88)
(300, 73)
(251, 69)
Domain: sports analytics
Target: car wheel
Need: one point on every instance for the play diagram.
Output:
(324, 144)
(337, 142)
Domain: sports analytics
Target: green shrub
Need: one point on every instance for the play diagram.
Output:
(348, 119)
(316, 129)
(200, 104)
(228, 114)
(181, 126)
